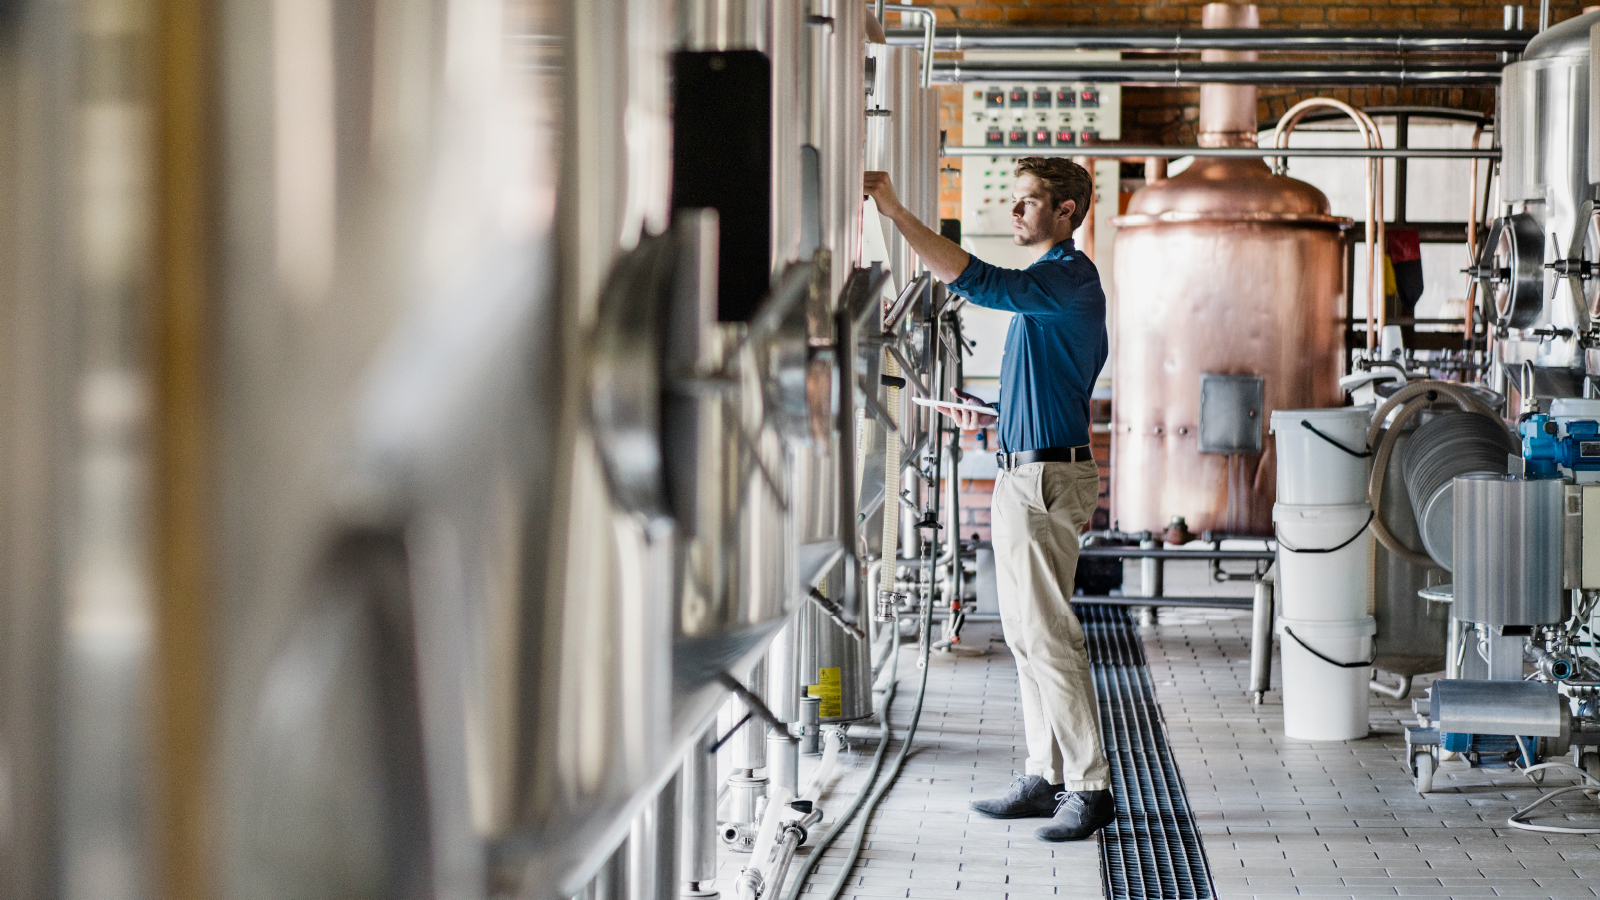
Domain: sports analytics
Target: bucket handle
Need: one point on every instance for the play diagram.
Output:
(1332, 662)
(1347, 543)
(1318, 432)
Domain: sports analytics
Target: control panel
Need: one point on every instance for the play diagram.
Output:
(1054, 117)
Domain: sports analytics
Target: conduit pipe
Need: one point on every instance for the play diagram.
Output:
(1180, 40)
(1167, 73)
(1374, 192)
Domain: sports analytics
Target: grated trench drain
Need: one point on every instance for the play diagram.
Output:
(1152, 851)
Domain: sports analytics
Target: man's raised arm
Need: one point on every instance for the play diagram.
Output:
(943, 257)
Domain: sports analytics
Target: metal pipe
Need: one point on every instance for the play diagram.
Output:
(1180, 40)
(793, 835)
(1398, 692)
(930, 24)
(1146, 151)
(697, 845)
(1544, 14)
(783, 760)
(1152, 571)
(1183, 72)
(1198, 555)
(1261, 641)
(1102, 600)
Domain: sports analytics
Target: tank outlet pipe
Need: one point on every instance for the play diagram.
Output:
(1398, 692)
(698, 825)
(824, 774)
(783, 760)
(1261, 638)
(778, 801)
(752, 883)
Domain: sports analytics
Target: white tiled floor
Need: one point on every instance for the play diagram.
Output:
(1286, 818)
(1280, 818)
(924, 842)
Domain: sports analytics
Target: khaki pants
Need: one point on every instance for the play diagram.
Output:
(1038, 512)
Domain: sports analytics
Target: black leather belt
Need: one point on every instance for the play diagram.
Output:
(1008, 461)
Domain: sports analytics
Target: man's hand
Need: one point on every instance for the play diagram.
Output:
(881, 191)
(969, 421)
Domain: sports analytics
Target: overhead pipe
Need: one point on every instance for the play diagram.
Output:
(1162, 73)
(1145, 151)
(1180, 40)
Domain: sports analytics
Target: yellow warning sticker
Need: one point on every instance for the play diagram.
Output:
(827, 691)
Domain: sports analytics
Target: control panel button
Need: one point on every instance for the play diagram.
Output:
(1041, 97)
(1066, 139)
(1087, 136)
(994, 139)
(1041, 138)
(1090, 97)
(1066, 97)
(1019, 97)
(1017, 139)
(994, 97)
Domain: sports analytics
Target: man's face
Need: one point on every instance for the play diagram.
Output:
(1034, 219)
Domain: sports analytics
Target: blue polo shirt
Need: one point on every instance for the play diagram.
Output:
(1055, 347)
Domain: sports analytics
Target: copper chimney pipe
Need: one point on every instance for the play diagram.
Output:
(1228, 111)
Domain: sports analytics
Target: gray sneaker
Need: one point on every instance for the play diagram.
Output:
(1030, 795)
(1080, 814)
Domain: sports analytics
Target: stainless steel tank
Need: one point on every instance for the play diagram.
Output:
(1226, 269)
(1545, 195)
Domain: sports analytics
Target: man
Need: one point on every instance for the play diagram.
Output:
(1048, 484)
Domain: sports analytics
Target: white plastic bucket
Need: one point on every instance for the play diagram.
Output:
(1324, 561)
(1311, 470)
(1323, 701)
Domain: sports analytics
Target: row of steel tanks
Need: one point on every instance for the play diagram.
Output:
(411, 430)
(1534, 266)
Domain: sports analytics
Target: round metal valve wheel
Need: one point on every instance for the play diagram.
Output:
(1510, 271)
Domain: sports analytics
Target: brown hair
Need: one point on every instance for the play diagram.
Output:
(1063, 179)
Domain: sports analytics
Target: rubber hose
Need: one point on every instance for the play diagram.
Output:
(1381, 437)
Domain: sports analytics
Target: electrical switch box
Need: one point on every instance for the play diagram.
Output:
(1049, 116)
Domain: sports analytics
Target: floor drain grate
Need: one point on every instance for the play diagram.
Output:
(1153, 850)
